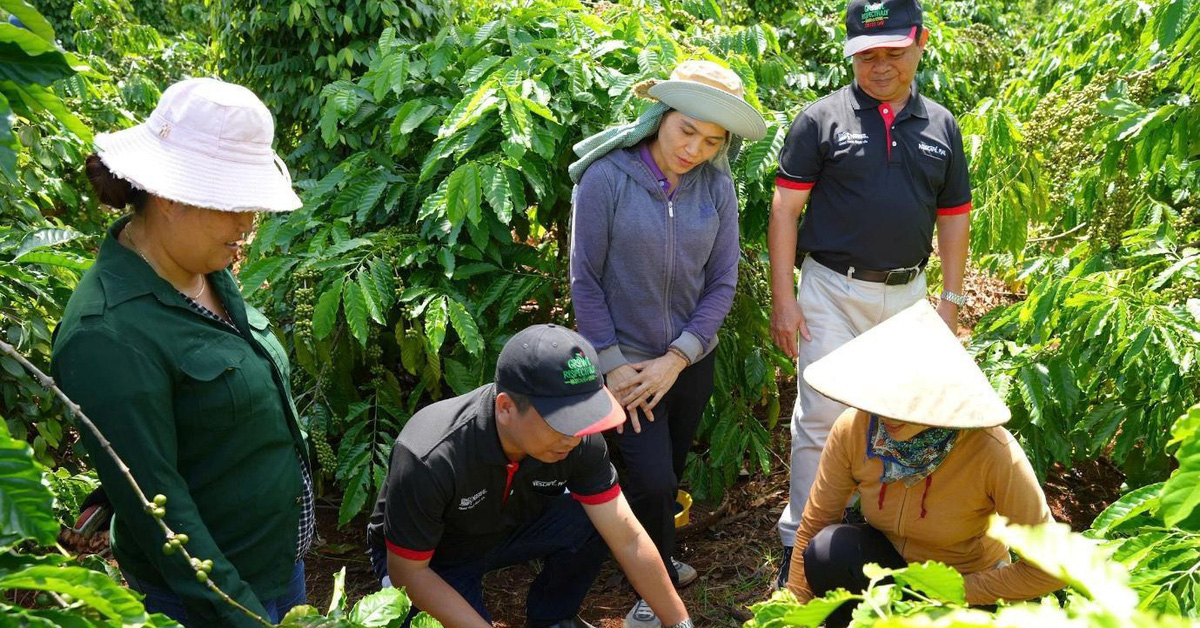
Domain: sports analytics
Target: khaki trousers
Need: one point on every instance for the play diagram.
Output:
(836, 309)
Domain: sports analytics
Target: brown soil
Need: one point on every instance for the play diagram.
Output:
(1077, 495)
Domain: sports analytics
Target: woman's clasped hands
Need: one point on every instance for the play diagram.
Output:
(641, 385)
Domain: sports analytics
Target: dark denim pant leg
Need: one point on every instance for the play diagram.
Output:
(297, 595)
(572, 552)
(161, 599)
(835, 557)
(654, 459)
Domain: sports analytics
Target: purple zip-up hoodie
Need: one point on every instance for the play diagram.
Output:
(648, 272)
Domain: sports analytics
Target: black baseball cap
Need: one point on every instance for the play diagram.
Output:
(882, 24)
(556, 368)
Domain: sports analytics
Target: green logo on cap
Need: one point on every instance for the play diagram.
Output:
(579, 370)
(874, 15)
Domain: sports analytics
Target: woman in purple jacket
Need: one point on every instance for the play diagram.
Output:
(654, 254)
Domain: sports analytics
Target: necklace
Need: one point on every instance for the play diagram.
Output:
(137, 249)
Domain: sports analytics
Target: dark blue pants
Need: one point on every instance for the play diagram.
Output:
(160, 599)
(572, 552)
(654, 458)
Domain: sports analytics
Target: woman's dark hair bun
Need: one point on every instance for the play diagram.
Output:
(111, 189)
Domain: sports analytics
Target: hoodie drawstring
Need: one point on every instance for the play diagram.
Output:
(928, 481)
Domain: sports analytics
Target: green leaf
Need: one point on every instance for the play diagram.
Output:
(463, 194)
(495, 188)
(26, 503)
(361, 194)
(933, 579)
(43, 238)
(470, 109)
(37, 99)
(1181, 494)
(435, 323)
(464, 324)
(356, 311)
(371, 297)
(380, 608)
(29, 16)
(325, 312)
(26, 59)
(783, 609)
(412, 115)
(337, 598)
(1130, 505)
(61, 260)
(95, 589)
(252, 275)
(1080, 562)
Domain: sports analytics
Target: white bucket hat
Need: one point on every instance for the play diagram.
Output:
(910, 368)
(207, 144)
(708, 92)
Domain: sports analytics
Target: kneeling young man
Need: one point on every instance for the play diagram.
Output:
(509, 472)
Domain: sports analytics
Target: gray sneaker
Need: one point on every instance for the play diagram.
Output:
(640, 616)
(687, 573)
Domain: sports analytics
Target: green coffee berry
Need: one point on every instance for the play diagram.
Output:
(168, 548)
(201, 576)
(160, 500)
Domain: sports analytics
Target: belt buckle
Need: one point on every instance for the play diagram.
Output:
(899, 277)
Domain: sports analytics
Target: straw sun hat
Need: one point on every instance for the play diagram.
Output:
(910, 368)
(207, 144)
(706, 91)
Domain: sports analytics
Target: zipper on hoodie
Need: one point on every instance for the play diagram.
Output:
(670, 249)
(670, 268)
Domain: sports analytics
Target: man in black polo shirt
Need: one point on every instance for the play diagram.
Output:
(879, 166)
(509, 472)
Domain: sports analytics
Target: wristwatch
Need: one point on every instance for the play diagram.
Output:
(687, 623)
(954, 298)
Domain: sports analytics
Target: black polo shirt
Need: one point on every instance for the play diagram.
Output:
(451, 493)
(879, 179)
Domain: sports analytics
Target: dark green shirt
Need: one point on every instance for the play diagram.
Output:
(200, 414)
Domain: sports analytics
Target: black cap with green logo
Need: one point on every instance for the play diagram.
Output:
(556, 368)
(881, 24)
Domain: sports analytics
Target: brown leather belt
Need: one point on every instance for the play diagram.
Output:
(894, 277)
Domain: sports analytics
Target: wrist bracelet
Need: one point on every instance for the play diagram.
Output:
(679, 352)
(954, 297)
(687, 623)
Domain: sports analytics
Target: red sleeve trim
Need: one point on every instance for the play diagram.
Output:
(599, 498)
(404, 552)
(954, 211)
(793, 185)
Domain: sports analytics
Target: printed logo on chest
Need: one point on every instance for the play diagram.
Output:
(468, 503)
(932, 150)
(846, 138)
(549, 483)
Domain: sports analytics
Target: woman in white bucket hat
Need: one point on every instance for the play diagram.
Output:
(185, 380)
(922, 445)
(654, 253)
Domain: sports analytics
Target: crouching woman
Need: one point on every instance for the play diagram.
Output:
(923, 446)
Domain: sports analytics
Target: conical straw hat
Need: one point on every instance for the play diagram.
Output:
(910, 368)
